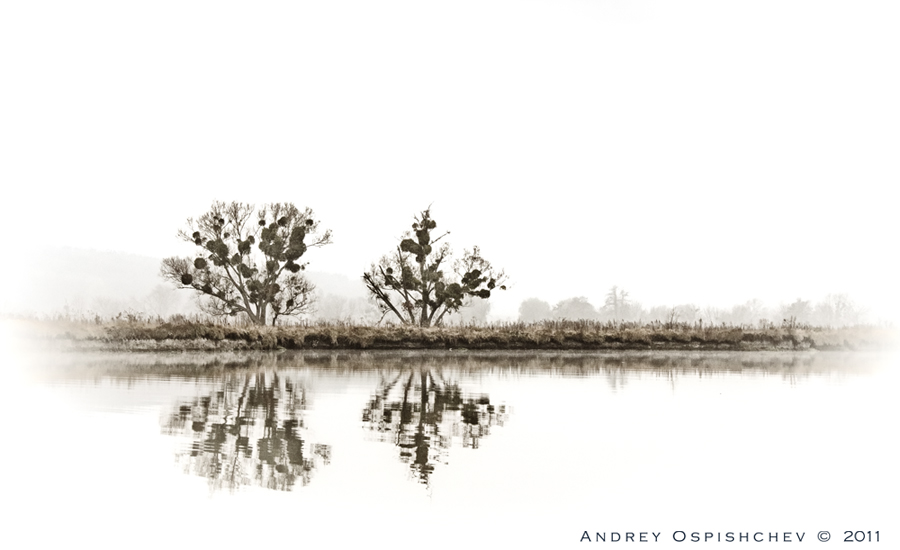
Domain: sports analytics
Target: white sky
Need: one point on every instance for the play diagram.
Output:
(705, 152)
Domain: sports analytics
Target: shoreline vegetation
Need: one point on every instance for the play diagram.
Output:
(198, 334)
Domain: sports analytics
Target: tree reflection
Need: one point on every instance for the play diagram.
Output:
(423, 415)
(247, 433)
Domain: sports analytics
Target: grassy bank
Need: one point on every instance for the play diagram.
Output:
(185, 334)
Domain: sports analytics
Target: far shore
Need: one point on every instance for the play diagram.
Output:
(205, 335)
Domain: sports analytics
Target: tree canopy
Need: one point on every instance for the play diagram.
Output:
(248, 260)
(575, 309)
(533, 310)
(417, 283)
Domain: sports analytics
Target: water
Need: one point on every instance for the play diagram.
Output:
(443, 449)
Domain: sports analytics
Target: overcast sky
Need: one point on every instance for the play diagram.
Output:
(697, 151)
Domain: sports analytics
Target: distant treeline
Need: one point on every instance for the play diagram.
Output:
(835, 310)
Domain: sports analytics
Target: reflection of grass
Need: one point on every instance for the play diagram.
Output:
(197, 334)
(616, 365)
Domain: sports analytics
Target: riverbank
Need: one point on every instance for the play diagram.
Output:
(188, 335)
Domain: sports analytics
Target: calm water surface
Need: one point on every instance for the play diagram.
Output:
(443, 449)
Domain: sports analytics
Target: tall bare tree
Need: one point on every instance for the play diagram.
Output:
(415, 282)
(616, 301)
(247, 260)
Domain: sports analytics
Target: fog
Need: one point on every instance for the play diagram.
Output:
(709, 154)
(91, 285)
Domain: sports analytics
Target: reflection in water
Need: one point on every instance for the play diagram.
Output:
(811, 429)
(620, 366)
(422, 416)
(250, 430)
(247, 433)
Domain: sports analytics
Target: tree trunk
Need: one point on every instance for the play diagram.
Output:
(424, 321)
(261, 314)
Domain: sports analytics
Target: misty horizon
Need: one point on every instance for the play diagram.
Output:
(106, 284)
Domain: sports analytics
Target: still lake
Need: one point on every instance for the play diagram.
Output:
(178, 450)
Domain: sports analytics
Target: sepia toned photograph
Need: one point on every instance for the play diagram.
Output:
(494, 273)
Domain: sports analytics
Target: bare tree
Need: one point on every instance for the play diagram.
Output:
(616, 301)
(837, 310)
(248, 264)
(412, 282)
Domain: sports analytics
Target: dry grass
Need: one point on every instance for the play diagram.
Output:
(179, 333)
